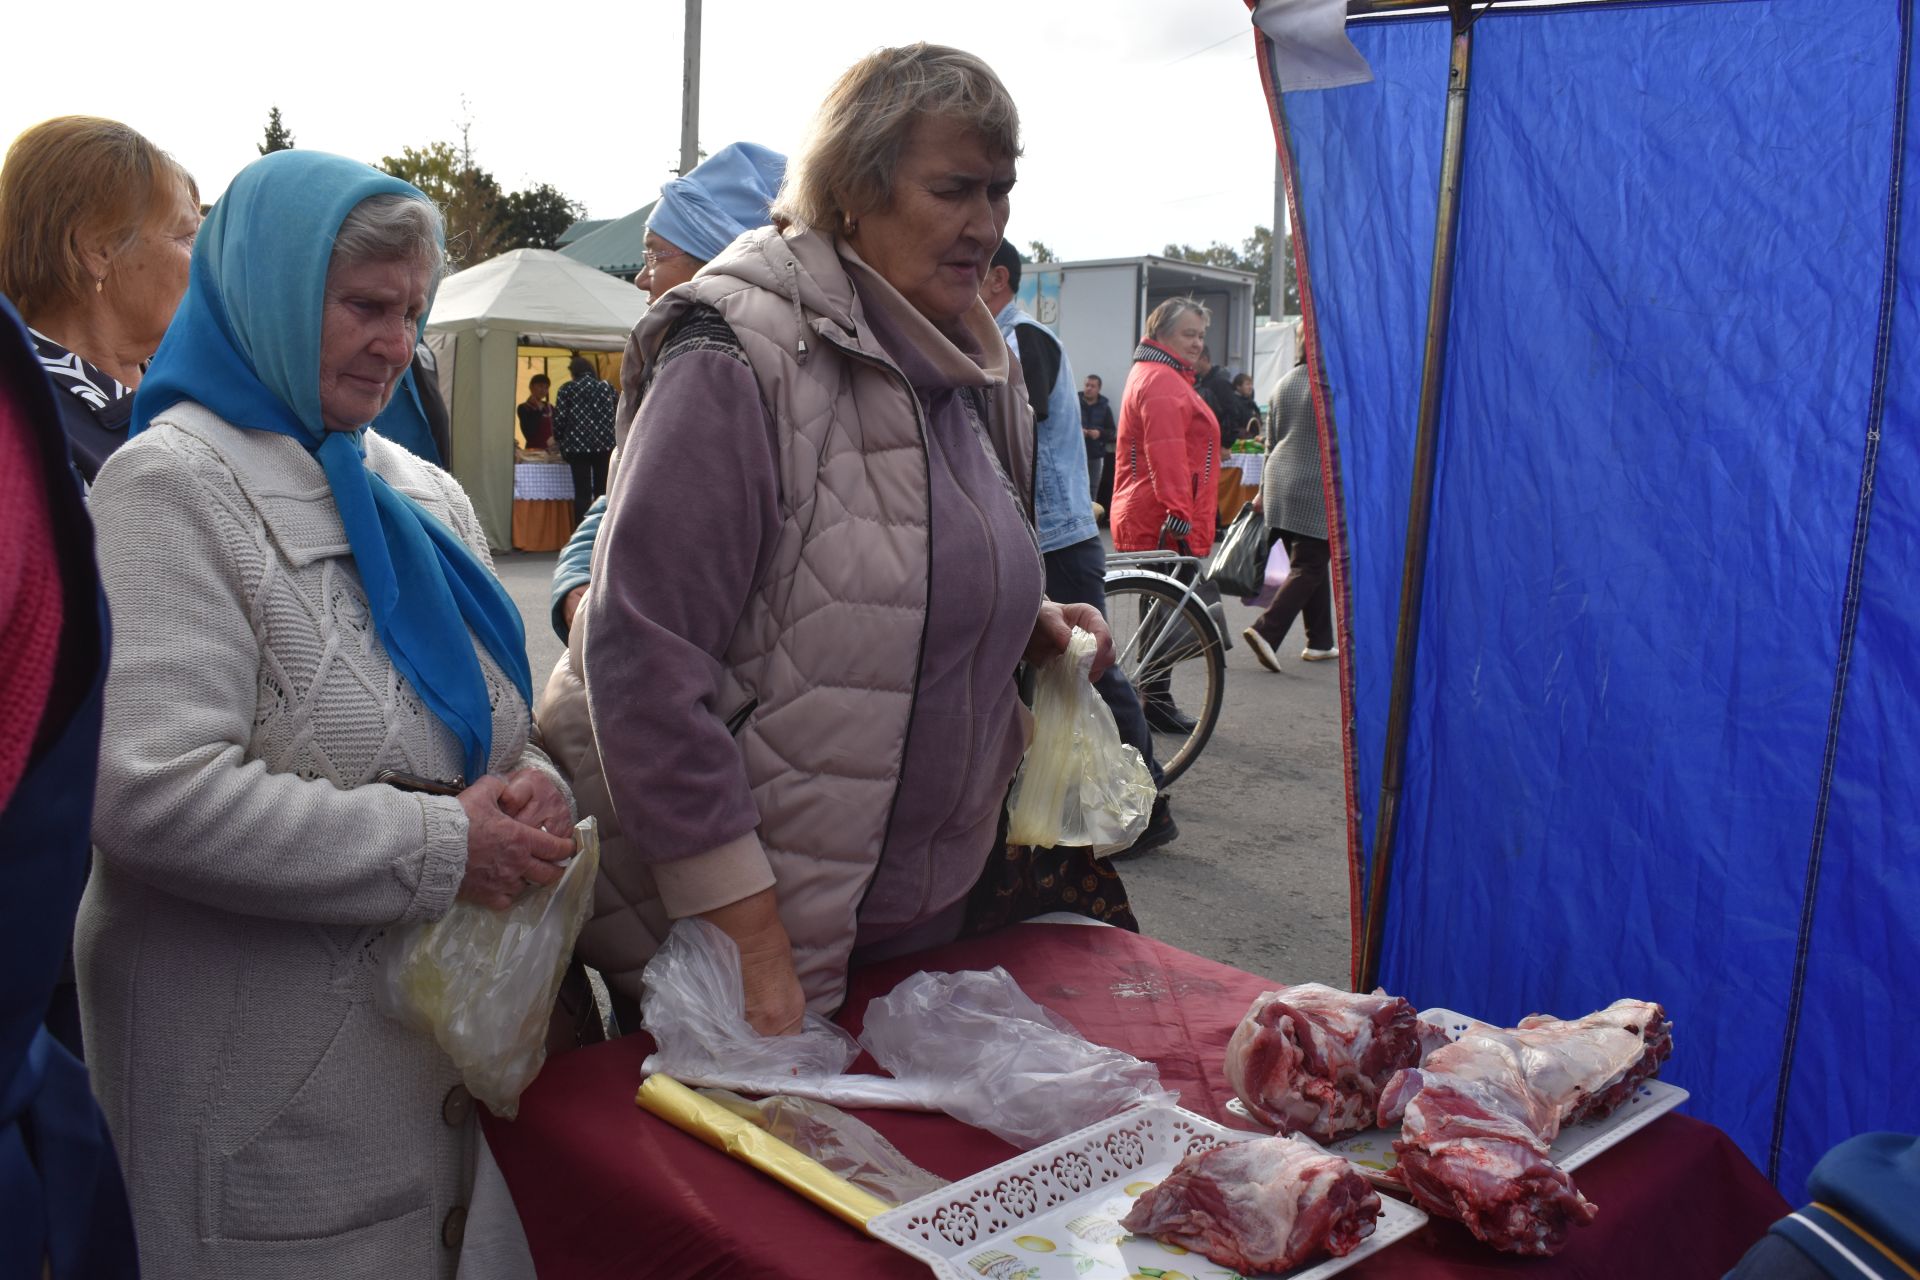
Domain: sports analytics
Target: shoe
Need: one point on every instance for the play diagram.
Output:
(1167, 718)
(1161, 829)
(1261, 649)
(1319, 655)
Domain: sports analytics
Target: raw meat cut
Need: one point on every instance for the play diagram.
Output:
(1478, 1116)
(1599, 1059)
(1310, 1059)
(1473, 1146)
(1259, 1206)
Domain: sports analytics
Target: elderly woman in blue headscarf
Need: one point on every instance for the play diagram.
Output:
(316, 729)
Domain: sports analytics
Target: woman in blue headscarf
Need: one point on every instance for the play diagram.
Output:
(316, 729)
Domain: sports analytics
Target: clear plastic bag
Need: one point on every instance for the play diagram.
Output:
(970, 1044)
(1078, 784)
(694, 1009)
(846, 1146)
(483, 982)
(1006, 1064)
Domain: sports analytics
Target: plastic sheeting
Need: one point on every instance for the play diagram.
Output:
(1664, 726)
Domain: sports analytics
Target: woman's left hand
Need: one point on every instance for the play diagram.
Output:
(532, 798)
(1054, 627)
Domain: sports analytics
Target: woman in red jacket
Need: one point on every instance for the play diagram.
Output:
(1169, 444)
(1165, 459)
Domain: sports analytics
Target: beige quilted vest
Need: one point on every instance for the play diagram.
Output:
(827, 656)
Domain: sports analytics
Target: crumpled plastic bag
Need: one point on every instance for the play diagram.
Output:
(844, 1145)
(970, 1044)
(696, 1012)
(1014, 1068)
(483, 982)
(1078, 783)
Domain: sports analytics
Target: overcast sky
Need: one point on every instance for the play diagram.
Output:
(1143, 119)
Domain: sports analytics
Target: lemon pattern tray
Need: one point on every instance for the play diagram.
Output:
(1054, 1213)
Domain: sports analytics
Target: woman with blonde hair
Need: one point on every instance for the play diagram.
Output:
(96, 233)
(802, 687)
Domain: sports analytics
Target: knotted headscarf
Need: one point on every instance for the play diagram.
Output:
(245, 344)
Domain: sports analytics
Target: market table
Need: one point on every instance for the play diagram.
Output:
(606, 1190)
(1238, 483)
(542, 505)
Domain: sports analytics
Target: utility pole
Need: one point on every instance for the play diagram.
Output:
(1281, 245)
(690, 94)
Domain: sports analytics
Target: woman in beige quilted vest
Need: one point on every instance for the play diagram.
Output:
(818, 570)
(303, 612)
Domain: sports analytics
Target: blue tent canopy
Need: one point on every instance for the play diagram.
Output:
(1665, 718)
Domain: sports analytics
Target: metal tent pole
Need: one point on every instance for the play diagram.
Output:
(1420, 507)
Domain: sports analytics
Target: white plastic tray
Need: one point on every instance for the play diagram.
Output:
(1371, 1150)
(1053, 1213)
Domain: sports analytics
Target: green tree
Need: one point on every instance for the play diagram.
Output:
(1038, 252)
(467, 195)
(537, 217)
(278, 138)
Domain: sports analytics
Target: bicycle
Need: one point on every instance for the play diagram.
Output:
(1170, 644)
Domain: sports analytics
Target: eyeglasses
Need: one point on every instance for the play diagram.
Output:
(652, 258)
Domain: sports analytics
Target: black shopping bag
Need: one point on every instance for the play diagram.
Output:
(1239, 565)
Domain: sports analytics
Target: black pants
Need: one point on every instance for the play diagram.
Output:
(1078, 575)
(1307, 592)
(589, 480)
(1100, 479)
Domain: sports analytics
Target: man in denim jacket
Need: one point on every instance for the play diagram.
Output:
(1076, 561)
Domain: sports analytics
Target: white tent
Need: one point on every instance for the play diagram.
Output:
(481, 318)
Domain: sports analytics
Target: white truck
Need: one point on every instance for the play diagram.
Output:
(1099, 308)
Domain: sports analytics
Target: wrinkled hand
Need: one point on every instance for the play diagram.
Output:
(1053, 628)
(505, 855)
(533, 798)
(776, 1006)
(570, 604)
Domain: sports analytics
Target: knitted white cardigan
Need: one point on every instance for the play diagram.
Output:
(271, 1120)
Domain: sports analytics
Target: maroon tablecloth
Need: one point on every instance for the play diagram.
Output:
(606, 1190)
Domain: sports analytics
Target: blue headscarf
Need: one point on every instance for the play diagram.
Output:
(245, 343)
(723, 195)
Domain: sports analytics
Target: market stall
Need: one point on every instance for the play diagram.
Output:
(491, 325)
(607, 1190)
(542, 505)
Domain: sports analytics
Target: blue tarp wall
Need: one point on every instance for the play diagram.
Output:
(1665, 727)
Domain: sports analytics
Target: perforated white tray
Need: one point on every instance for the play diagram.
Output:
(1053, 1213)
(1371, 1150)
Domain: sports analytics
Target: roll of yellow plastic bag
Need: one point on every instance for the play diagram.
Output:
(483, 982)
(1079, 784)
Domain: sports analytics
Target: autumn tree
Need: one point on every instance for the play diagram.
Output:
(482, 220)
(278, 137)
(1039, 252)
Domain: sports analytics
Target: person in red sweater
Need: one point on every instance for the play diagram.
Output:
(1165, 460)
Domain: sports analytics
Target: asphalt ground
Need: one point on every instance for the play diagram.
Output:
(1258, 876)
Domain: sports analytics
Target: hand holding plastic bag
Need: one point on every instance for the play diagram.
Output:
(1078, 784)
(484, 982)
(695, 1011)
(1008, 1065)
(970, 1044)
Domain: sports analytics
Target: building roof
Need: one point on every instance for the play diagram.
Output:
(586, 226)
(616, 246)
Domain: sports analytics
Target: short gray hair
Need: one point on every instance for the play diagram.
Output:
(390, 227)
(847, 165)
(1168, 313)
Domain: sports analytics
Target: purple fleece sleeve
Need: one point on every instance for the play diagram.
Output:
(690, 528)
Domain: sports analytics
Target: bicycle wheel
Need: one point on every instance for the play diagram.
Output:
(1173, 653)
